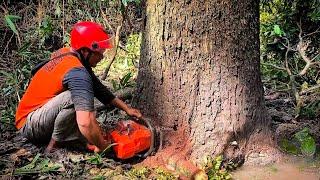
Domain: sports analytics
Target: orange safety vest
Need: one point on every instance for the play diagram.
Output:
(46, 84)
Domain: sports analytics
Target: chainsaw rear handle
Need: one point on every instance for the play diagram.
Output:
(153, 133)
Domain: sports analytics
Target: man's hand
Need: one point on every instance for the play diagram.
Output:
(129, 110)
(134, 112)
(99, 150)
(91, 130)
(107, 142)
(93, 148)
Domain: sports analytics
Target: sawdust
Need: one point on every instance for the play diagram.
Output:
(174, 155)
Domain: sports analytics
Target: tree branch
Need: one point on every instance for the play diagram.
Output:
(117, 38)
(309, 89)
(300, 30)
(275, 66)
(315, 57)
(106, 20)
(286, 58)
(316, 31)
(302, 47)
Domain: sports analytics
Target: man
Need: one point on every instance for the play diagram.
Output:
(58, 105)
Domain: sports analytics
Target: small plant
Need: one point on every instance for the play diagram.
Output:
(98, 178)
(124, 82)
(10, 19)
(301, 142)
(161, 174)
(306, 142)
(96, 159)
(139, 173)
(215, 169)
(38, 165)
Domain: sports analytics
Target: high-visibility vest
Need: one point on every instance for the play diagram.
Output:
(46, 83)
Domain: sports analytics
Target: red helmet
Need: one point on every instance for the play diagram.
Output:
(91, 35)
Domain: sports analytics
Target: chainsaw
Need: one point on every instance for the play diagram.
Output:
(134, 138)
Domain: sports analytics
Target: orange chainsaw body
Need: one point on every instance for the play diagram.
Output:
(131, 138)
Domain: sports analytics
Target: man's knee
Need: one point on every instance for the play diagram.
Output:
(65, 99)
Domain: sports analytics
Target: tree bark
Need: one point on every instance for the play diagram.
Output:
(199, 75)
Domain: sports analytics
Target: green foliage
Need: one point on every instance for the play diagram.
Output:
(288, 146)
(126, 2)
(301, 142)
(215, 169)
(96, 159)
(46, 29)
(161, 174)
(306, 141)
(311, 110)
(10, 22)
(284, 25)
(125, 64)
(277, 30)
(139, 173)
(124, 82)
(98, 178)
(38, 165)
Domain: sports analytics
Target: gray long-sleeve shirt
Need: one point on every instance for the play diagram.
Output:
(84, 88)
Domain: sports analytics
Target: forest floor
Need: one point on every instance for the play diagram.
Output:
(293, 168)
(16, 152)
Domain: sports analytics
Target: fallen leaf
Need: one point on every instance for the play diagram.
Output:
(21, 152)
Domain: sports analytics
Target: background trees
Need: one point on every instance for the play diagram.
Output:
(289, 36)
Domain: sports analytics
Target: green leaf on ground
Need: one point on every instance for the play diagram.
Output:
(38, 165)
(9, 20)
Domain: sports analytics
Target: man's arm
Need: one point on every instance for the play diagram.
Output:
(91, 130)
(79, 82)
(105, 96)
(101, 92)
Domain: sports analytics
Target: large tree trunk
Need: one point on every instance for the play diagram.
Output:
(199, 75)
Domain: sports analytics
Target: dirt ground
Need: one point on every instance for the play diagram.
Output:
(293, 168)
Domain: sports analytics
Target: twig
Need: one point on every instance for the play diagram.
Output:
(4, 37)
(275, 66)
(286, 58)
(121, 46)
(4, 9)
(18, 96)
(125, 14)
(300, 29)
(7, 45)
(309, 89)
(316, 31)
(106, 20)
(63, 29)
(117, 38)
(286, 46)
(301, 47)
(315, 57)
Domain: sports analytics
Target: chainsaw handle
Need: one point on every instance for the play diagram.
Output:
(147, 122)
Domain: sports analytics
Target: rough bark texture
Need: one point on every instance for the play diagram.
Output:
(199, 73)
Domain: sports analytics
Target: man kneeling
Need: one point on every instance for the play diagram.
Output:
(58, 105)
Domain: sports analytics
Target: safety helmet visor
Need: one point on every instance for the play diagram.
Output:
(103, 45)
(107, 47)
